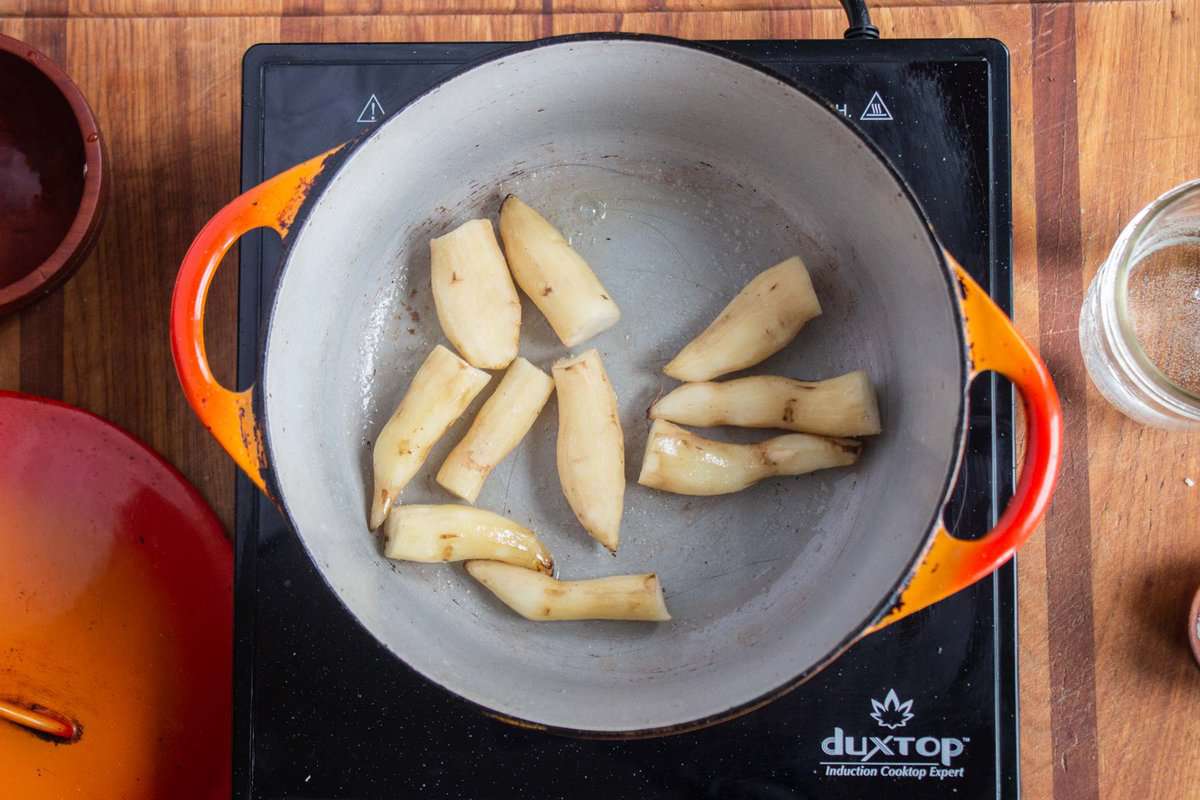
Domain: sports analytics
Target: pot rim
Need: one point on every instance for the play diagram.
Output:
(888, 601)
(79, 238)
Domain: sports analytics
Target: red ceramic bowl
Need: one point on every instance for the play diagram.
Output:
(52, 175)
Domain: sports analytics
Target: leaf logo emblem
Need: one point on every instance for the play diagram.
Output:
(891, 713)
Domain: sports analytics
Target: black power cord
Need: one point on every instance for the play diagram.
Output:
(860, 21)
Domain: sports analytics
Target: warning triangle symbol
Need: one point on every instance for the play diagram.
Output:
(876, 109)
(372, 111)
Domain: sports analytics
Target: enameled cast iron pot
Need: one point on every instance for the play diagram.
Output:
(679, 173)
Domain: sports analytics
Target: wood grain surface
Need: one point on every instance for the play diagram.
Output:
(1106, 115)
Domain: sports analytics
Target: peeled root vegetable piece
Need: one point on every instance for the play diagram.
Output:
(540, 597)
(591, 446)
(498, 428)
(438, 395)
(841, 406)
(556, 278)
(679, 461)
(476, 301)
(764, 316)
(435, 533)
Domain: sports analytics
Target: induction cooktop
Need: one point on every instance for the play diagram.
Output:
(322, 710)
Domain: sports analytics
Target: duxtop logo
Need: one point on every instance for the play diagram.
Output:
(892, 756)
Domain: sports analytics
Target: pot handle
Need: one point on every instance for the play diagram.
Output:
(228, 415)
(952, 564)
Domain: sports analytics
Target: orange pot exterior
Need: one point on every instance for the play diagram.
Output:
(952, 564)
(229, 415)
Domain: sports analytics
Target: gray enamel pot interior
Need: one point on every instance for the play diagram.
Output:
(677, 189)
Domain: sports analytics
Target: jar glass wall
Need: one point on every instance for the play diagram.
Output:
(1139, 327)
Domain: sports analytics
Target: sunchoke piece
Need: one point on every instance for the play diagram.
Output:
(591, 446)
(556, 278)
(498, 428)
(842, 406)
(679, 461)
(439, 393)
(456, 533)
(473, 291)
(757, 323)
(540, 597)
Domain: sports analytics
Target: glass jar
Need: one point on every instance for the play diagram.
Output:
(1139, 327)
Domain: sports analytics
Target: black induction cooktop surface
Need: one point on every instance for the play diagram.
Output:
(927, 708)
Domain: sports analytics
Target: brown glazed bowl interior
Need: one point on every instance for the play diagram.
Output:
(52, 175)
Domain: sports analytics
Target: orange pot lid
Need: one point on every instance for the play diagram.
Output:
(116, 616)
